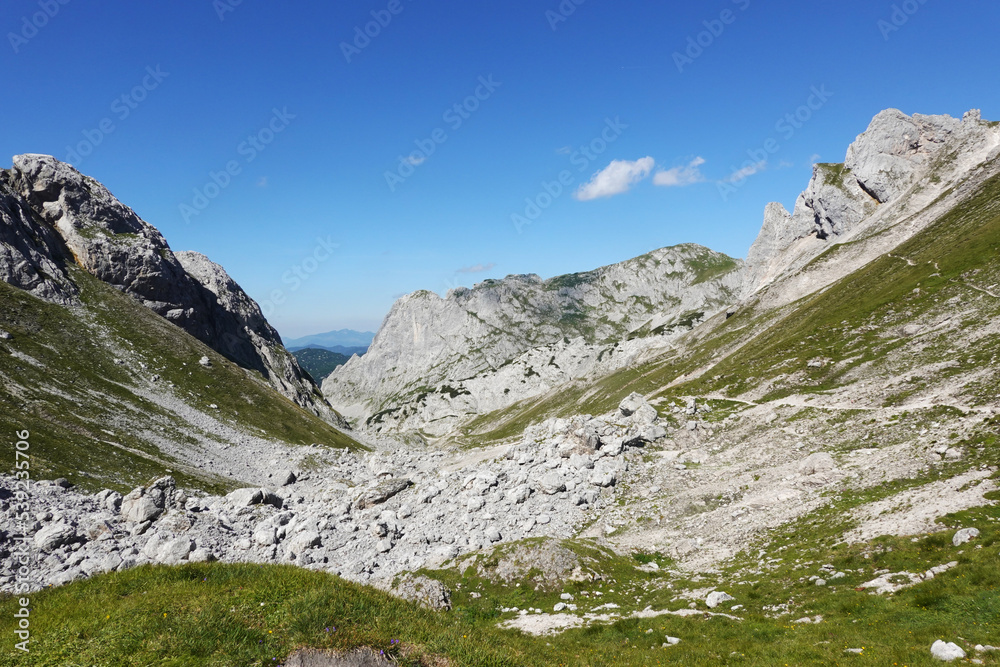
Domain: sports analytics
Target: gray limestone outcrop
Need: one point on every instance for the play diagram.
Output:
(51, 215)
(896, 155)
(437, 360)
(31, 253)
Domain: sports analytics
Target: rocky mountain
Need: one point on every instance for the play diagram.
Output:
(897, 166)
(53, 214)
(772, 444)
(436, 361)
(125, 360)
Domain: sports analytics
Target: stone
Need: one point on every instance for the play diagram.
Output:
(265, 536)
(552, 483)
(964, 535)
(245, 497)
(816, 464)
(301, 542)
(946, 651)
(175, 551)
(426, 592)
(284, 477)
(52, 537)
(139, 508)
(381, 492)
(638, 408)
(111, 500)
(715, 598)
(201, 556)
(206, 362)
(475, 504)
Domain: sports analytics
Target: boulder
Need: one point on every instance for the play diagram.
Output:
(638, 409)
(381, 492)
(175, 551)
(964, 535)
(816, 464)
(52, 537)
(552, 483)
(946, 651)
(301, 542)
(426, 592)
(715, 598)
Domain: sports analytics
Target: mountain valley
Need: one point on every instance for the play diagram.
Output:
(741, 453)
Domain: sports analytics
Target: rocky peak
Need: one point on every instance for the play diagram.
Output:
(426, 340)
(892, 156)
(30, 253)
(52, 214)
(896, 150)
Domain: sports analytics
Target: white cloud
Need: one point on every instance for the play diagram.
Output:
(747, 171)
(416, 160)
(681, 176)
(262, 182)
(616, 178)
(477, 268)
(815, 158)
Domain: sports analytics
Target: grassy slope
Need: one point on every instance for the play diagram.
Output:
(252, 615)
(846, 323)
(61, 382)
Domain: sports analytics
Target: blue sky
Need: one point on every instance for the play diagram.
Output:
(249, 132)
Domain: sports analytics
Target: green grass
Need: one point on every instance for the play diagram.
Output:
(845, 323)
(218, 614)
(86, 412)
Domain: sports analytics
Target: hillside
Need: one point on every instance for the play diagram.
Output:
(127, 362)
(436, 361)
(680, 458)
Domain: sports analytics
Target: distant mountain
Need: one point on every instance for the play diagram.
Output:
(331, 340)
(319, 363)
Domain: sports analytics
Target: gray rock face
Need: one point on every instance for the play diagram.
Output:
(51, 214)
(832, 205)
(896, 149)
(884, 163)
(484, 348)
(31, 253)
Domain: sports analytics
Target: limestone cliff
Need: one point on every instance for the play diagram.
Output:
(896, 159)
(479, 349)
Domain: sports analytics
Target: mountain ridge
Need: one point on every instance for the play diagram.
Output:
(77, 220)
(898, 167)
